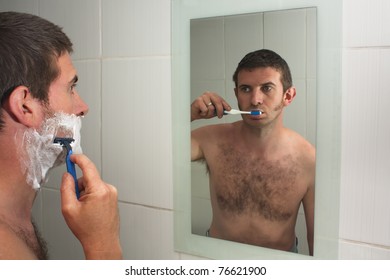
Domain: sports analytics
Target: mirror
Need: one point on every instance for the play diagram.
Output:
(326, 139)
(217, 44)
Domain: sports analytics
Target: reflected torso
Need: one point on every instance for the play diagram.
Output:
(255, 196)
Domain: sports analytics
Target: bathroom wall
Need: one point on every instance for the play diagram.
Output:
(122, 52)
(365, 176)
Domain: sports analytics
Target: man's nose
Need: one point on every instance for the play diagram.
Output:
(257, 97)
(82, 107)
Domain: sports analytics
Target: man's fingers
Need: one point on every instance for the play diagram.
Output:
(90, 173)
(68, 193)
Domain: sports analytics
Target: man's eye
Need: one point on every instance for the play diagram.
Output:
(266, 88)
(245, 89)
(72, 87)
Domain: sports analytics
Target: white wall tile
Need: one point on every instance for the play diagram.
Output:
(359, 251)
(364, 214)
(137, 152)
(22, 6)
(146, 233)
(80, 21)
(136, 28)
(201, 215)
(295, 114)
(311, 41)
(207, 49)
(89, 88)
(301, 232)
(283, 34)
(366, 23)
(243, 34)
(311, 107)
(199, 180)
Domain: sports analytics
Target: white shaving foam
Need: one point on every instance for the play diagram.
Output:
(38, 153)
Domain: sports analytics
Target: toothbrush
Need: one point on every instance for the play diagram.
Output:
(238, 112)
(65, 142)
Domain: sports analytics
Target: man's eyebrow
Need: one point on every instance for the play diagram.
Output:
(74, 80)
(268, 84)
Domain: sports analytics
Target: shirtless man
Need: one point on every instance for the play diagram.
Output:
(259, 170)
(39, 100)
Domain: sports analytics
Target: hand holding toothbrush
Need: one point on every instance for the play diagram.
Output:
(94, 217)
(208, 105)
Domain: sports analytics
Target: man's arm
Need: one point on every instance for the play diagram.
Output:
(196, 151)
(206, 106)
(308, 200)
(308, 206)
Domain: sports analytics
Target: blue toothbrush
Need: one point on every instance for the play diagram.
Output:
(65, 142)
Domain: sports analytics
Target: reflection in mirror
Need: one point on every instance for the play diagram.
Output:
(217, 45)
(327, 138)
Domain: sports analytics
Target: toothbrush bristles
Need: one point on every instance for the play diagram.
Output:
(255, 112)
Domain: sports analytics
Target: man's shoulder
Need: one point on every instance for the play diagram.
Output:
(215, 129)
(299, 141)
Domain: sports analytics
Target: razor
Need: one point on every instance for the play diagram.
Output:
(65, 142)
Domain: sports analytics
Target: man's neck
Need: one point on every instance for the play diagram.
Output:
(262, 137)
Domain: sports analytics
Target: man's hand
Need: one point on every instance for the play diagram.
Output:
(94, 218)
(208, 105)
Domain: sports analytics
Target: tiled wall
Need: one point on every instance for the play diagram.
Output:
(365, 176)
(133, 36)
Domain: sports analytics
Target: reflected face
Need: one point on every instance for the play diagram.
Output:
(260, 89)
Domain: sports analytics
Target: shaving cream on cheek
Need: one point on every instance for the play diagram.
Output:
(37, 152)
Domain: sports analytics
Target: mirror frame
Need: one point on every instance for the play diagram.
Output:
(327, 196)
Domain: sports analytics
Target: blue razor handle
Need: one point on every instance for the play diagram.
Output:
(65, 142)
(72, 170)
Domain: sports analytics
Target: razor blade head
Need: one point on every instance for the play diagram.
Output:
(65, 142)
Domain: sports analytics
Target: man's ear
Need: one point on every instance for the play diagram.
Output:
(289, 95)
(23, 107)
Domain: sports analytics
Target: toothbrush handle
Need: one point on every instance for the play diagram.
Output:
(72, 170)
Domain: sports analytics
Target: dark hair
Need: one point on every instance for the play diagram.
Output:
(29, 49)
(265, 58)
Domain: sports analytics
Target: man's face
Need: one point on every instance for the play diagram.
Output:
(62, 93)
(260, 89)
(59, 118)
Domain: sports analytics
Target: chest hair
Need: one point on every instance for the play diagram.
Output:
(34, 241)
(246, 184)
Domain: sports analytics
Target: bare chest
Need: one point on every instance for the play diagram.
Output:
(247, 184)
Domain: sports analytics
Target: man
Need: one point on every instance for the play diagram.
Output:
(38, 103)
(259, 170)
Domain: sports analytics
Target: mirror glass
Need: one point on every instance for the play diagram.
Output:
(312, 65)
(217, 44)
